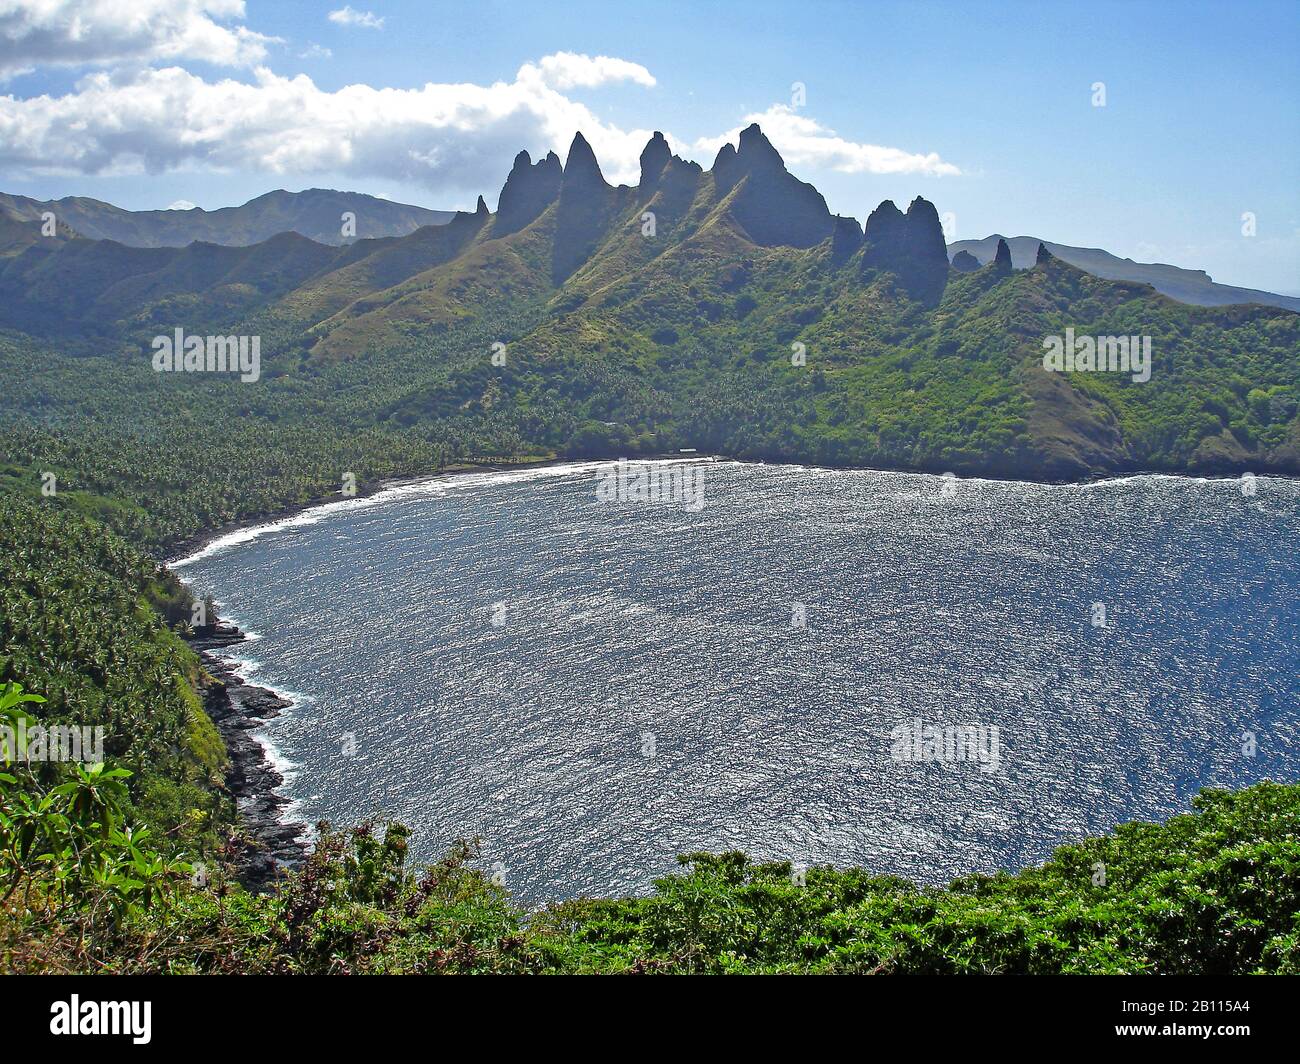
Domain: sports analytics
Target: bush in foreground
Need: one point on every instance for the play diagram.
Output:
(1216, 891)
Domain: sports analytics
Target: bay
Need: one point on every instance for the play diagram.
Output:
(593, 687)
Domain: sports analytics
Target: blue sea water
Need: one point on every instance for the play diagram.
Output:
(593, 687)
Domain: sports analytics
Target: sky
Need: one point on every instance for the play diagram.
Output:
(1160, 131)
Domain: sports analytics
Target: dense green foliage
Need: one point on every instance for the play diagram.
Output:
(1213, 892)
(68, 856)
(82, 622)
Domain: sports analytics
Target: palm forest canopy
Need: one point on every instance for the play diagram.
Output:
(725, 310)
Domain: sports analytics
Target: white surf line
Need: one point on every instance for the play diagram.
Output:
(1126, 478)
(435, 484)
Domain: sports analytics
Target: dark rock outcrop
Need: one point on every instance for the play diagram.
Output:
(965, 262)
(885, 235)
(724, 169)
(1002, 258)
(529, 190)
(926, 246)
(668, 184)
(584, 212)
(846, 238)
(582, 174)
(654, 158)
(911, 246)
(482, 208)
(1043, 256)
(266, 844)
(774, 207)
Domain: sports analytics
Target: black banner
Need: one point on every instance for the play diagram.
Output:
(145, 1014)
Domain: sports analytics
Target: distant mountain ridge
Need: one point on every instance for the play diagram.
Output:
(315, 213)
(802, 220)
(1187, 286)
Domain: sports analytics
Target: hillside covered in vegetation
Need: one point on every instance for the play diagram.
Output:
(1212, 893)
(724, 310)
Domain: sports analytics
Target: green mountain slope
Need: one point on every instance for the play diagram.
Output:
(724, 309)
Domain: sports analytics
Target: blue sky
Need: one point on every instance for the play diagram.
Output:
(984, 108)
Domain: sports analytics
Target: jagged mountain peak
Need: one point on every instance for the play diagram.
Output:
(1002, 257)
(654, 157)
(756, 154)
(885, 226)
(581, 168)
(922, 207)
(756, 150)
(529, 189)
(774, 207)
(911, 246)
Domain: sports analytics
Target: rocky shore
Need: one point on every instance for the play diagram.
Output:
(268, 844)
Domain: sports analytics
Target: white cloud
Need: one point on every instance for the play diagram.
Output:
(36, 33)
(346, 16)
(133, 119)
(181, 205)
(803, 141)
(315, 51)
(461, 136)
(569, 70)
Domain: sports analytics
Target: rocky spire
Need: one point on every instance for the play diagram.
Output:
(910, 245)
(1043, 255)
(885, 228)
(581, 171)
(756, 151)
(528, 191)
(481, 210)
(1002, 258)
(925, 233)
(654, 158)
(965, 262)
(725, 171)
(846, 238)
(584, 212)
(774, 207)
